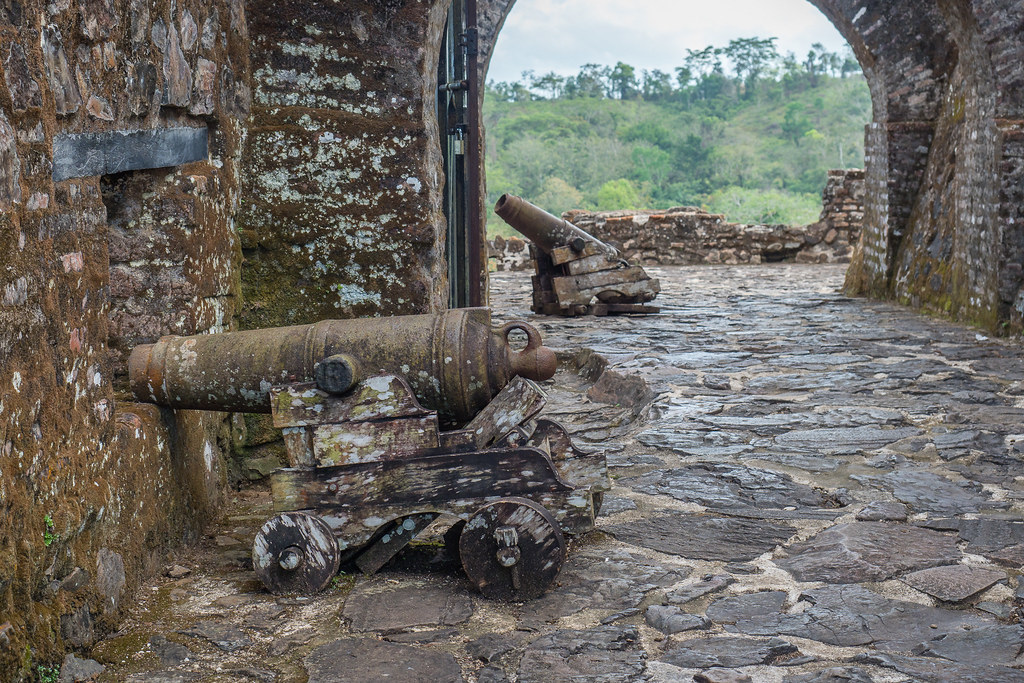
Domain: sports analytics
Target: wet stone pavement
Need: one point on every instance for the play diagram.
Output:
(807, 489)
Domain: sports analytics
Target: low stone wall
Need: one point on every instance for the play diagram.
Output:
(691, 236)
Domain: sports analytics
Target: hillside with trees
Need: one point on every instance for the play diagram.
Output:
(739, 130)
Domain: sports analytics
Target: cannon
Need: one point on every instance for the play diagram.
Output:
(393, 425)
(576, 273)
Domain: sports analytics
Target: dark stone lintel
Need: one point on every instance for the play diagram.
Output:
(77, 155)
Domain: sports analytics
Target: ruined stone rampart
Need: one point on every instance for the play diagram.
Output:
(690, 236)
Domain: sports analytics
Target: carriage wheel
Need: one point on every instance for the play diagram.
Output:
(295, 552)
(451, 539)
(512, 549)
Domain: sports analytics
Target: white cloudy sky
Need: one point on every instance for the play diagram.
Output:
(561, 35)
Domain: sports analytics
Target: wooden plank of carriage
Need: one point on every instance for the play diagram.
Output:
(420, 482)
(381, 396)
(298, 442)
(593, 264)
(519, 401)
(581, 289)
(356, 442)
(560, 255)
(395, 536)
(613, 309)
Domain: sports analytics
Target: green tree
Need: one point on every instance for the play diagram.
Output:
(618, 194)
(591, 81)
(657, 85)
(750, 57)
(795, 124)
(551, 83)
(849, 65)
(558, 196)
(649, 131)
(704, 66)
(622, 82)
(651, 165)
(819, 62)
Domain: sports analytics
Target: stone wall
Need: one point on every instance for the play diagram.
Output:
(174, 168)
(103, 251)
(343, 178)
(944, 171)
(691, 236)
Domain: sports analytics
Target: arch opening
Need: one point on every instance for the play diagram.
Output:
(742, 127)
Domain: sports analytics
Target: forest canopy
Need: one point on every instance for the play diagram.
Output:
(738, 129)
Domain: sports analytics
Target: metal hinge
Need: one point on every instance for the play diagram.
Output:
(469, 40)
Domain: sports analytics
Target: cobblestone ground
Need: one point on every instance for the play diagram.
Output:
(822, 490)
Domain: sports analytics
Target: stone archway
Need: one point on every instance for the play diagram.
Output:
(944, 152)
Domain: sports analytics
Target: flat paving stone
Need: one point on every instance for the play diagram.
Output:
(868, 551)
(733, 488)
(704, 537)
(935, 670)
(749, 607)
(925, 491)
(224, 635)
(169, 652)
(694, 591)
(605, 654)
(995, 644)
(848, 616)
(844, 441)
(164, 677)
(882, 511)
(991, 467)
(610, 579)
(953, 583)
(718, 675)
(725, 651)
(491, 646)
(670, 619)
(379, 605)
(613, 505)
(1000, 540)
(833, 674)
(367, 660)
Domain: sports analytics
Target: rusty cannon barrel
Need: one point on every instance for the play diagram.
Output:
(455, 361)
(546, 230)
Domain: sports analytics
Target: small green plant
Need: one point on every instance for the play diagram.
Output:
(48, 674)
(342, 581)
(48, 534)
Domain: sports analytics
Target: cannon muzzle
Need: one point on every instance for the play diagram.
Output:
(455, 361)
(546, 230)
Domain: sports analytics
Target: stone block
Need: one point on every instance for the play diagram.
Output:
(77, 155)
(22, 86)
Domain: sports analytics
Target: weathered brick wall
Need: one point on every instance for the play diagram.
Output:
(690, 236)
(944, 176)
(92, 487)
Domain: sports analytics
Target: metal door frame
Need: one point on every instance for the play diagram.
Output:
(458, 116)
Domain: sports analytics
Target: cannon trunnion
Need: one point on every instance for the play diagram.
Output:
(370, 466)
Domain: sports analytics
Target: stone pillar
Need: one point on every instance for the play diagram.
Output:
(342, 215)
(895, 155)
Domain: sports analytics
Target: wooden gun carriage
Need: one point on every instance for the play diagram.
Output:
(370, 466)
(576, 273)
